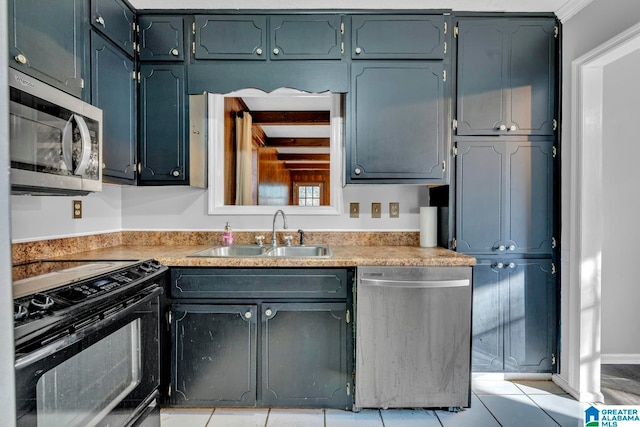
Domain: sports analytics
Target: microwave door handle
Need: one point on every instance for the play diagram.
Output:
(85, 137)
(67, 144)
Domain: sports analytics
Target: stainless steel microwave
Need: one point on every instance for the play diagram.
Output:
(55, 140)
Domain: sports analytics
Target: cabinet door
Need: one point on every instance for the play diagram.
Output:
(487, 345)
(304, 355)
(397, 37)
(529, 187)
(49, 41)
(397, 111)
(162, 124)
(532, 66)
(480, 191)
(214, 355)
(115, 20)
(161, 38)
(231, 37)
(113, 89)
(481, 94)
(305, 37)
(530, 316)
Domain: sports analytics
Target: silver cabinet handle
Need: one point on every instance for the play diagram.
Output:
(248, 315)
(513, 128)
(512, 265)
(104, 166)
(357, 171)
(175, 52)
(389, 283)
(100, 20)
(502, 127)
(512, 247)
(268, 312)
(501, 248)
(499, 265)
(358, 51)
(276, 51)
(259, 51)
(20, 59)
(175, 173)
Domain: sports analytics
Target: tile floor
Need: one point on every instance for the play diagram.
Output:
(494, 403)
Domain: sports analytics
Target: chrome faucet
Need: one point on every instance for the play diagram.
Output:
(274, 241)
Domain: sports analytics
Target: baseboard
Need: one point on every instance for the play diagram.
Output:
(620, 359)
(509, 376)
(587, 397)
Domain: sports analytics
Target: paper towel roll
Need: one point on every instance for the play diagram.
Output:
(428, 227)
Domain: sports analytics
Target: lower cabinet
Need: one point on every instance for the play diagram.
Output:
(514, 315)
(279, 347)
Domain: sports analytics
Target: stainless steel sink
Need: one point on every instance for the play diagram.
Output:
(232, 251)
(243, 251)
(313, 251)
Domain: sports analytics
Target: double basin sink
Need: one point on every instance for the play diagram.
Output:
(243, 251)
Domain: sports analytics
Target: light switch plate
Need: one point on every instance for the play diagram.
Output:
(394, 210)
(354, 210)
(376, 210)
(77, 209)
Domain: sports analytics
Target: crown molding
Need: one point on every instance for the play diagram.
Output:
(570, 8)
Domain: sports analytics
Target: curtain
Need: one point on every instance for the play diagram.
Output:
(244, 146)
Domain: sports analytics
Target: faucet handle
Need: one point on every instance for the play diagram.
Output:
(260, 240)
(301, 231)
(287, 240)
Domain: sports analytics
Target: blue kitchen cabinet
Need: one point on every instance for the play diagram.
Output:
(515, 318)
(230, 37)
(114, 90)
(398, 37)
(506, 81)
(397, 122)
(49, 40)
(115, 20)
(163, 129)
(161, 38)
(305, 37)
(505, 197)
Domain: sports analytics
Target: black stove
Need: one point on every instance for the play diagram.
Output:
(54, 295)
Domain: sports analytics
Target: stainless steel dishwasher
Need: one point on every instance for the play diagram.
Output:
(413, 337)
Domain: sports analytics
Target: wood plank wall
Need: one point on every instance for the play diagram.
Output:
(274, 186)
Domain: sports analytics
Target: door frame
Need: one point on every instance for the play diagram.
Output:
(583, 234)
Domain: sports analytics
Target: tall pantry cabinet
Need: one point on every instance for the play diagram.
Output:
(505, 145)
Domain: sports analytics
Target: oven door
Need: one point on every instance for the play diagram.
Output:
(104, 373)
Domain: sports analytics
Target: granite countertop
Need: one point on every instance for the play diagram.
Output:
(343, 256)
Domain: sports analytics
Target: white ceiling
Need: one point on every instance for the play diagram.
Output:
(561, 7)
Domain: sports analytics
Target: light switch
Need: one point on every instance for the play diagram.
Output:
(376, 210)
(354, 209)
(394, 210)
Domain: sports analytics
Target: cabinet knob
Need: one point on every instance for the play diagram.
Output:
(512, 247)
(104, 166)
(358, 51)
(259, 51)
(512, 265)
(175, 173)
(21, 59)
(268, 312)
(502, 127)
(501, 248)
(276, 51)
(357, 171)
(499, 265)
(248, 315)
(100, 20)
(175, 52)
(513, 128)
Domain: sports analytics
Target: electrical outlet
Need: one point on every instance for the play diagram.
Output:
(77, 209)
(376, 210)
(394, 210)
(354, 210)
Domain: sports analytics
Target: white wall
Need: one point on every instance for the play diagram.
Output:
(598, 22)
(621, 209)
(180, 208)
(48, 217)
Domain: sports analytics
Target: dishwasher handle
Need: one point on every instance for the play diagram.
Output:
(422, 284)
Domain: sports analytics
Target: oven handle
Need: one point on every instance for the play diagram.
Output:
(78, 335)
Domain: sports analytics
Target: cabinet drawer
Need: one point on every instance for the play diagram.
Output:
(397, 37)
(258, 283)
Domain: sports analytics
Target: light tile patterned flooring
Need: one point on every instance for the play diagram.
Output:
(494, 403)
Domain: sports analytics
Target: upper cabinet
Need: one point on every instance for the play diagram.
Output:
(398, 37)
(506, 76)
(397, 122)
(230, 37)
(306, 37)
(49, 40)
(116, 21)
(161, 38)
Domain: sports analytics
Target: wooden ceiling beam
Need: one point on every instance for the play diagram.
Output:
(308, 166)
(298, 142)
(303, 156)
(290, 118)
